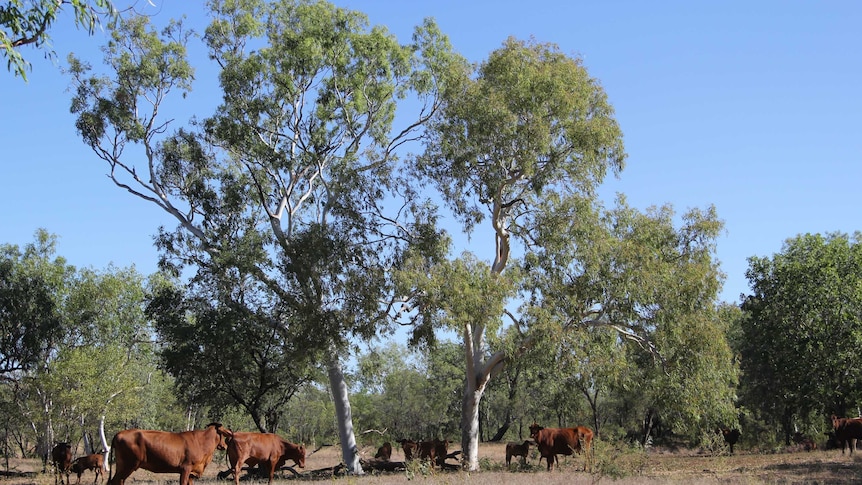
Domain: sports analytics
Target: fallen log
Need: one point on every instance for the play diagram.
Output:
(383, 465)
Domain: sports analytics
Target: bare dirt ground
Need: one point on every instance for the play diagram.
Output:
(627, 468)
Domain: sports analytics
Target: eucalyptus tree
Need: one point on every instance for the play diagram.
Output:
(524, 144)
(530, 123)
(801, 331)
(291, 185)
(28, 22)
(653, 283)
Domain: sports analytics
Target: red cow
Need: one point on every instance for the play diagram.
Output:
(410, 448)
(187, 453)
(805, 441)
(269, 450)
(61, 457)
(562, 441)
(514, 449)
(94, 462)
(435, 451)
(384, 452)
(847, 430)
(731, 436)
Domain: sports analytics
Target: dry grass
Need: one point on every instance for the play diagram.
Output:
(628, 467)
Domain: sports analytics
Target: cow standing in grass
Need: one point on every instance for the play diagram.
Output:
(562, 441)
(269, 451)
(847, 430)
(61, 457)
(187, 453)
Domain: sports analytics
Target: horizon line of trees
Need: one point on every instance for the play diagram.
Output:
(88, 322)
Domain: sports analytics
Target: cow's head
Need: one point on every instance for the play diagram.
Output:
(534, 430)
(299, 459)
(223, 433)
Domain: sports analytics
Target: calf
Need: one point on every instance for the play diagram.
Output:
(384, 452)
(514, 449)
(61, 457)
(94, 462)
(731, 436)
(806, 442)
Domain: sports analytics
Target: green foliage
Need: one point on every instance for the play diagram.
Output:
(30, 317)
(531, 123)
(222, 354)
(310, 416)
(394, 385)
(97, 363)
(654, 285)
(455, 294)
(25, 22)
(618, 460)
(802, 325)
(418, 468)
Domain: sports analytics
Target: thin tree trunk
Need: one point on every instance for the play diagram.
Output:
(502, 431)
(349, 450)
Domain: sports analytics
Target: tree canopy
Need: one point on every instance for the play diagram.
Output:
(801, 329)
(290, 190)
(28, 22)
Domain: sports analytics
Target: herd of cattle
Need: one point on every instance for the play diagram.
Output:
(188, 453)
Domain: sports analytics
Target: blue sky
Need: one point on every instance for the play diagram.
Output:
(753, 107)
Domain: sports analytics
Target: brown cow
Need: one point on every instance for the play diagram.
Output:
(847, 430)
(562, 441)
(187, 453)
(61, 457)
(515, 449)
(435, 451)
(410, 448)
(94, 462)
(268, 450)
(384, 452)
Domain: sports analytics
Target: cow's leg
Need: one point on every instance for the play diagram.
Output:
(237, 468)
(186, 476)
(123, 472)
(271, 465)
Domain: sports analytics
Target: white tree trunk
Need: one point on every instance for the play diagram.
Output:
(470, 426)
(349, 450)
(105, 445)
(477, 378)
